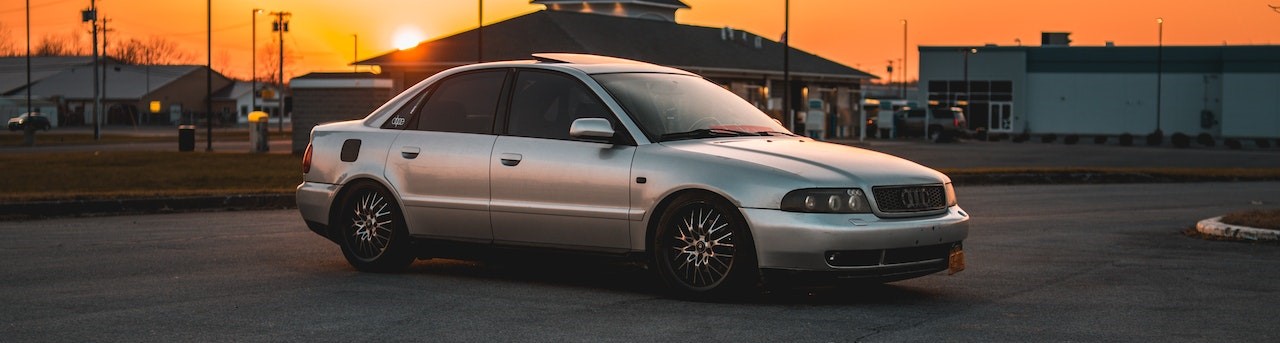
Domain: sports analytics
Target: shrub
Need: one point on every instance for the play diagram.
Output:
(1155, 138)
(1232, 143)
(1126, 139)
(1023, 137)
(1206, 139)
(1100, 139)
(1049, 138)
(1262, 143)
(1181, 140)
(1071, 139)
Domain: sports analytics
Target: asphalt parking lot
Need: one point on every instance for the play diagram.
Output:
(1089, 263)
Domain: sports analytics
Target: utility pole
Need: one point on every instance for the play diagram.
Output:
(106, 55)
(281, 25)
(355, 52)
(91, 16)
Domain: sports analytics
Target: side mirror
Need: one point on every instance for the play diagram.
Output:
(591, 128)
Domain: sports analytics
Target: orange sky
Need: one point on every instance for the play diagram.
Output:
(861, 34)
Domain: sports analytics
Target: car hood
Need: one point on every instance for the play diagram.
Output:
(820, 163)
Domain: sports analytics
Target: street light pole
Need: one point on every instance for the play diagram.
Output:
(1159, 70)
(253, 52)
(208, 75)
(904, 59)
(786, 68)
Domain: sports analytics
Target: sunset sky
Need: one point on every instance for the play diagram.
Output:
(861, 34)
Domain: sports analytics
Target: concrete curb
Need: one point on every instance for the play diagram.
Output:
(74, 208)
(1215, 227)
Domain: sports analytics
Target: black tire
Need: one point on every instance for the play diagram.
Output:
(372, 232)
(703, 249)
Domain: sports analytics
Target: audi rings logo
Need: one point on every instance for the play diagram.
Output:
(914, 198)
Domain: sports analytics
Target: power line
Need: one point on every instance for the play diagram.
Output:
(20, 9)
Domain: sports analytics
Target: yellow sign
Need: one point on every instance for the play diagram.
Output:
(155, 106)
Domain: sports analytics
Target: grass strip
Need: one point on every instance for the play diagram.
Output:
(1261, 219)
(54, 138)
(111, 175)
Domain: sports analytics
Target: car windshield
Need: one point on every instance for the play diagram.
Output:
(673, 107)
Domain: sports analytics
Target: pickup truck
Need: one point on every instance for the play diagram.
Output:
(944, 123)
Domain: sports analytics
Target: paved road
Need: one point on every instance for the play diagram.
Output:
(978, 154)
(1046, 263)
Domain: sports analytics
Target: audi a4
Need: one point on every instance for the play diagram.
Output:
(613, 157)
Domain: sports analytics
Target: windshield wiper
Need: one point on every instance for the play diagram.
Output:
(771, 133)
(705, 133)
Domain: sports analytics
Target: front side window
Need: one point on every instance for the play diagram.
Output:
(675, 106)
(545, 104)
(464, 103)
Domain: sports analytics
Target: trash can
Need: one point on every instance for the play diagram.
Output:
(259, 125)
(186, 137)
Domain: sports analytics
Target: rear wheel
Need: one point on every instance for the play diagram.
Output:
(703, 250)
(373, 236)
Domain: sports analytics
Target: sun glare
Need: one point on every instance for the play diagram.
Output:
(407, 37)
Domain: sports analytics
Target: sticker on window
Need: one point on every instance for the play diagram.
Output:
(397, 121)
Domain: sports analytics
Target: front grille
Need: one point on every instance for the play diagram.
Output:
(900, 199)
(885, 257)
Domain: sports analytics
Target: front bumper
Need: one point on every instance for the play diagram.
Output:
(898, 248)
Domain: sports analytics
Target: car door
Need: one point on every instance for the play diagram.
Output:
(550, 189)
(439, 165)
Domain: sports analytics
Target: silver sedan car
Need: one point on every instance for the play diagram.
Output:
(609, 156)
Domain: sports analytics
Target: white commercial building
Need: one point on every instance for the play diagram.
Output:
(1225, 91)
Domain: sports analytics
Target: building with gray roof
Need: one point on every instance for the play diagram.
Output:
(744, 62)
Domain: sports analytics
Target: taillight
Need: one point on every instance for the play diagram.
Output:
(306, 160)
(955, 122)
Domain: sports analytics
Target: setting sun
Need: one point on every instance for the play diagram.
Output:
(407, 37)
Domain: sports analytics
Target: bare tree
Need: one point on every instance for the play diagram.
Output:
(269, 62)
(152, 51)
(8, 45)
(60, 45)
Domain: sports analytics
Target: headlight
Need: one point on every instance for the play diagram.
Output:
(826, 200)
(951, 194)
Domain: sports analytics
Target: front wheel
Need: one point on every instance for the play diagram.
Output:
(374, 237)
(703, 249)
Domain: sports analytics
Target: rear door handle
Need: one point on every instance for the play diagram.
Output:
(410, 152)
(509, 159)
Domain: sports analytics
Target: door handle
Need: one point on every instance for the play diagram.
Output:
(509, 159)
(410, 152)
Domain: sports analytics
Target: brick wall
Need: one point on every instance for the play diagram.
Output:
(315, 106)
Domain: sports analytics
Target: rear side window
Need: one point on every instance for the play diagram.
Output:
(944, 114)
(465, 103)
(545, 104)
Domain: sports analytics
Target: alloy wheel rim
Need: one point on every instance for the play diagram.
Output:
(370, 226)
(702, 247)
